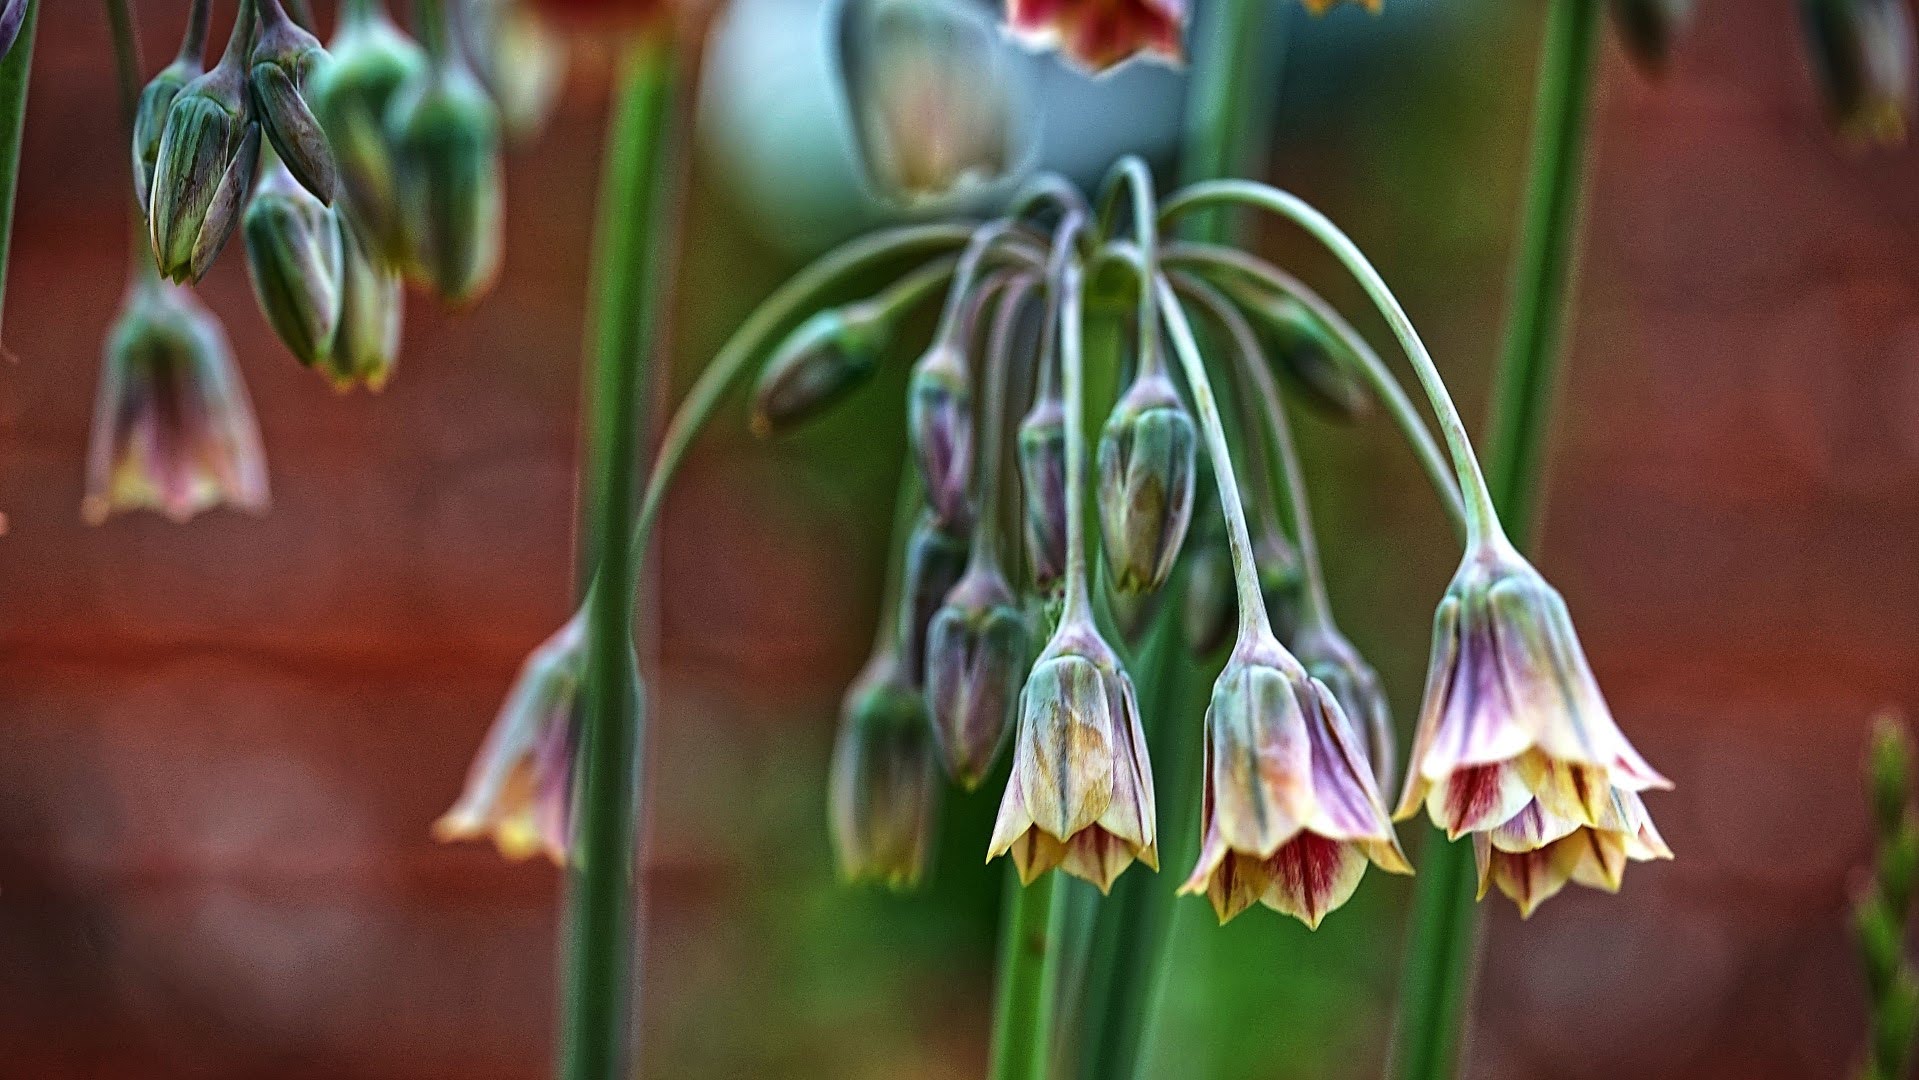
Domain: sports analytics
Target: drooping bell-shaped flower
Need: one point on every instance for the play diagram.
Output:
(372, 305)
(1512, 713)
(1100, 34)
(1290, 815)
(940, 422)
(173, 430)
(1863, 54)
(372, 59)
(519, 60)
(1147, 463)
(819, 363)
(205, 164)
(1081, 793)
(519, 791)
(977, 653)
(445, 134)
(931, 96)
(156, 98)
(884, 785)
(1533, 855)
(285, 61)
(1042, 468)
(294, 259)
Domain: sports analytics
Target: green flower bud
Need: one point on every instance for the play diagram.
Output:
(205, 165)
(150, 120)
(283, 66)
(820, 363)
(371, 305)
(1042, 467)
(977, 651)
(372, 59)
(1309, 352)
(1648, 26)
(1147, 456)
(884, 787)
(940, 423)
(446, 136)
(935, 559)
(1862, 53)
(519, 61)
(1889, 772)
(295, 261)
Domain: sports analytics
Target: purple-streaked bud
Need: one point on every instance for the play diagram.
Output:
(295, 262)
(1330, 658)
(1081, 793)
(977, 653)
(519, 790)
(173, 430)
(204, 167)
(372, 59)
(884, 785)
(940, 423)
(935, 561)
(372, 304)
(13, 16)
(1862, 54)
(284, 62)
(1147, 458)
(1042, 467)
(819, 363)
(1647, 28)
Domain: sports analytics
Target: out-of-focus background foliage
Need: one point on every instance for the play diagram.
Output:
(222, 743)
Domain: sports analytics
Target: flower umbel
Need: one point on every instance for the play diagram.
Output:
(1512, 712)
(519, 791)
(173, 430)
(884, 785)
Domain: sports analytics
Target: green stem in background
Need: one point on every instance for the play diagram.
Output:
(1442, 950)
(1022, 1009)
(602, 950)
(13, 121)
(126, 58)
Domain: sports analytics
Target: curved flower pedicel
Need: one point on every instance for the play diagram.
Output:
(519, 790)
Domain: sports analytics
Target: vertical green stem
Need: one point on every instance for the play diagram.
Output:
(602, 946)
(1022, 1016)
(429, 25)
(13, 121)
(1437, 986)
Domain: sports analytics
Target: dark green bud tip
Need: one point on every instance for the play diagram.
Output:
(818, 364)
(1042, 466)
(940, 423)
(371, 60)
(935, 559)
(1889, 772)
(977, 652)
(1147, 457)
(1647, 27)
(446, 136)
(295, 262)
(1862, 55)
(150, 121)
(284, 64)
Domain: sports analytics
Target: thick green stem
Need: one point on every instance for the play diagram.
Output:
(126, 59)
(602, 955)
(1022, 1015)
(1437, 985)
(13, 121)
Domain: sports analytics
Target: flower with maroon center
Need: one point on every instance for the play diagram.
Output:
(1100, 34)
(1532, 856)
(1512, 713)
(173, 429)
(520, 788)
(1290, 814)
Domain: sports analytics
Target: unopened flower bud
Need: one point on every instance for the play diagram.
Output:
(1099, 34)
(284, 63)
(208, 153)
(446, 138)
(372, 304)
(519, 790)
(1081, 793)
(819, 363)
(884, 784)
(1889, 772)
(294, 260)
(1311, 353)
(173, 430)
(1290, 815)
(1042, 467)
(977, 654)
(931, 96)
(150, 121)
(935, 560)
(1147, 456)
(1862, 54)
(1328, 657)
(372, 59)
(1648, 26)
(518, 59)
(940, 423)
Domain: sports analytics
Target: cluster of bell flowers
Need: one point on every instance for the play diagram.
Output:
(996, 634)
(346, 169)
